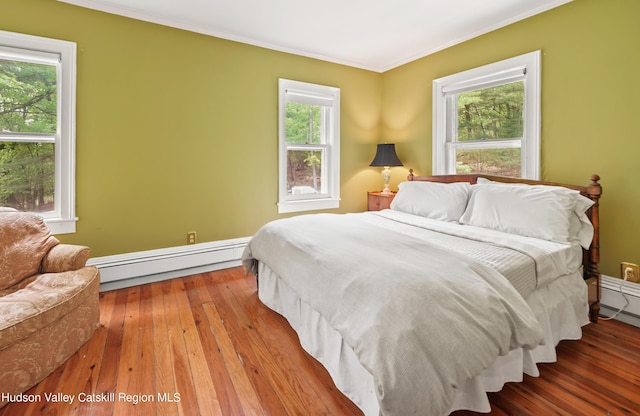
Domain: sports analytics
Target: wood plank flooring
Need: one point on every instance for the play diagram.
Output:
(205, 345)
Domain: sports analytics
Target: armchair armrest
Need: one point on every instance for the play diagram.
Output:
(64, 258)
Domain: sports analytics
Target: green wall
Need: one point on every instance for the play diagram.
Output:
(177, 131)
(590, 107)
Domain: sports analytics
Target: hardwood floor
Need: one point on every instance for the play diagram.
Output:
(205, 345)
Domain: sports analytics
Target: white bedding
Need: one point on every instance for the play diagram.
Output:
(561, 308)
(551, 259)
(401, 345)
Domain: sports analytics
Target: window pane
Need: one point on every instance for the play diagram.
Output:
(303, 123)
(491, 113)
(28, 99)
(27, 176)
(503, 162)
(304, 173)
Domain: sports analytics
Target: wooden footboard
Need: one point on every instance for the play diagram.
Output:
(590, 258)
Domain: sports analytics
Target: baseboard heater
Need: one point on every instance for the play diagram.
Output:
(614, 292)
(131, 269)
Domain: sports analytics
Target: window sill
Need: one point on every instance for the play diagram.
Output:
(61, 225)
(308, 205)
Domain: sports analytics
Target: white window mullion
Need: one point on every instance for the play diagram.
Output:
(6, 136)
(487, 144)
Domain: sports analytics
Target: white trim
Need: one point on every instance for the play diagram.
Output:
(63, 219)
(329, 98)
(550, 5)
(176, 23)
(34, 57)
(131, 269)
(612, 299)
(308, 205)
(205, 30)
(487, 80)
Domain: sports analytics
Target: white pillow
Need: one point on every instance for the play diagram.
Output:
(528, 211)
(580, 227)
(438, 201)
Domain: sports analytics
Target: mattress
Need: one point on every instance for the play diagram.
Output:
(560, 306)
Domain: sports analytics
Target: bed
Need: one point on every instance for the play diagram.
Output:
(464, 285)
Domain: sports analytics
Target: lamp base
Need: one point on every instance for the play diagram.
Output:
(386, 176)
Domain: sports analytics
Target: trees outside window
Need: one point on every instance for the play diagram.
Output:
(28, 107)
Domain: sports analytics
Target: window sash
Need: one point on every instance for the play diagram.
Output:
(324, 150)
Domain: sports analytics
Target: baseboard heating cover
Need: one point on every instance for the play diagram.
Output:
(612, 299)
(130, 269)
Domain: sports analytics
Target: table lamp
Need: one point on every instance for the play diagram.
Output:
(386, 157)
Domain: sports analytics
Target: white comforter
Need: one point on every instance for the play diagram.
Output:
(422, 316)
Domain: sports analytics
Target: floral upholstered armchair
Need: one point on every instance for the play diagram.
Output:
(48, 301)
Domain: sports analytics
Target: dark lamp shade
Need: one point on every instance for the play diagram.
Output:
(386, 156)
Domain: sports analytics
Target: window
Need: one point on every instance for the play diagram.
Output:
(487, 119)
(37, 128)
(309, 145)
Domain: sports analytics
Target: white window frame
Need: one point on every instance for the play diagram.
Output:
(520, 68)
(62, 219)
(329, 98)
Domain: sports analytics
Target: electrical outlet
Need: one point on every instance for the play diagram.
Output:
(191, 237)
(629, 272)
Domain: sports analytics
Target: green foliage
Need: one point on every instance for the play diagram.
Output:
(491, 113)
(302, 123)
(28, 104)
(494, 113)
(303, 127)
(28, 98)
(503, 162)
(27, 175)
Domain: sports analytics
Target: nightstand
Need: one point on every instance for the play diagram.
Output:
(379, 201)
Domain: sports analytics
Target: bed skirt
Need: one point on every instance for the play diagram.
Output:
(561, 307)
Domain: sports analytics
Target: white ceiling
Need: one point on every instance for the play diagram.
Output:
(377, 35)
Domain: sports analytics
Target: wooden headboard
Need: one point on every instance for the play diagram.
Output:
(590, 258)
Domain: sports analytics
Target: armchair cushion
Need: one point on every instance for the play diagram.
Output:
(42, 299)
(24, 241)
(64, 258)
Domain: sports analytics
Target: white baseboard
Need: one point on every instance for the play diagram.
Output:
(131, 269)
(614, 292)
